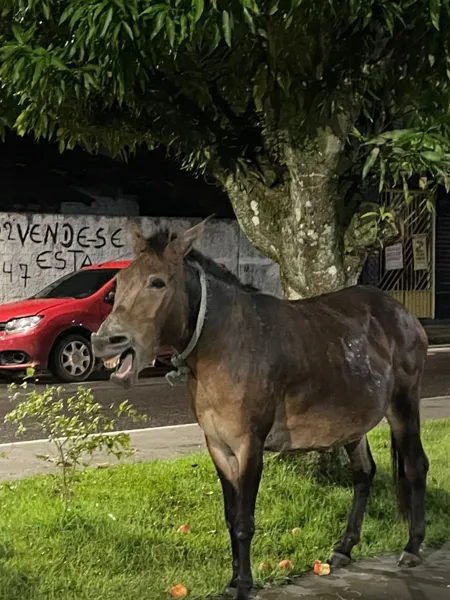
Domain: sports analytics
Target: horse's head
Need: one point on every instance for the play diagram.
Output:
(150, 303)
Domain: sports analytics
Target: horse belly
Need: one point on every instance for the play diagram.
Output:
(307, 425)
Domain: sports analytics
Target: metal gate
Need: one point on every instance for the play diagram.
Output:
(407, 269)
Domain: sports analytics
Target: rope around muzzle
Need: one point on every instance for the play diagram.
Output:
(182, 371)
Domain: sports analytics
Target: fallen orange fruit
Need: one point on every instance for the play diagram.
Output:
(184, 529)
(178, 591)
(321, 568)
(287, 565)
(265, 566)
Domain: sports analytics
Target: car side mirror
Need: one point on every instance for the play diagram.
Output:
(109, 298)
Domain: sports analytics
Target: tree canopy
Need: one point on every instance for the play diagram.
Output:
(240, 88)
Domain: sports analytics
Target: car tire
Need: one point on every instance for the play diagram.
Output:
(72, 359)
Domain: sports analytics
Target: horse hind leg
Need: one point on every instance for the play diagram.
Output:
(410, 468)
(363, 469)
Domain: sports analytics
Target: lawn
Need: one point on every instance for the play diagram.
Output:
(119, 540)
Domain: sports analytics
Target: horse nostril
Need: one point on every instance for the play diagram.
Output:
(117, 340)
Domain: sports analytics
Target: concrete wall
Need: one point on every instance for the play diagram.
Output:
(37, 249)
(119, 205)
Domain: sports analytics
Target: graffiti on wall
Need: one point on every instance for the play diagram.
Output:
(38, 249)
(74, 245)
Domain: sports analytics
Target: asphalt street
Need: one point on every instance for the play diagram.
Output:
(165, 405)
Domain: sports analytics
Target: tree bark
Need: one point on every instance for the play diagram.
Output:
(295, 221)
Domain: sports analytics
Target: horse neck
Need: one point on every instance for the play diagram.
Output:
(219, 325)
(185, 314)
(181, 322)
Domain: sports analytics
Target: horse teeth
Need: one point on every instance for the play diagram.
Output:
(112, 363)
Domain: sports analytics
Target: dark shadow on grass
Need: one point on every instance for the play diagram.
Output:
(16, 583)
(322, 467)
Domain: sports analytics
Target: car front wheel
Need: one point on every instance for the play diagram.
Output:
(72, 359)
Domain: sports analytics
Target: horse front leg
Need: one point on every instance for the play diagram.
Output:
(240, 475)
(250, 459)
(228, 472)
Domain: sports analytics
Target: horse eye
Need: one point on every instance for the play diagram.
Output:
(157, 283)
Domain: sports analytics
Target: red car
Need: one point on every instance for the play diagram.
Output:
(52, 329)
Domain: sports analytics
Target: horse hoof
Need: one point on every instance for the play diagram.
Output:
(243, 594)
(339, 561)
(407, 559)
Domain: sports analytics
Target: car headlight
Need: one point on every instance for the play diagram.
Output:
(22, 324)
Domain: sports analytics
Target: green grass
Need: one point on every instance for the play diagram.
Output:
(120, 542)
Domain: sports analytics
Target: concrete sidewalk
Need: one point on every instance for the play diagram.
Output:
(19, 460)
(376, 579)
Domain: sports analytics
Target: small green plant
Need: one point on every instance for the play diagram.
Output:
(77, 426)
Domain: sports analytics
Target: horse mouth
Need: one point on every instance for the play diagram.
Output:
(124, 366)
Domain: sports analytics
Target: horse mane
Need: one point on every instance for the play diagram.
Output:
(158, 242)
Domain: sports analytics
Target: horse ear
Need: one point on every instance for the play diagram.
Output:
(180, 246)
(138, 241)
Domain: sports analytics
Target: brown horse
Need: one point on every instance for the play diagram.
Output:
(265, 373)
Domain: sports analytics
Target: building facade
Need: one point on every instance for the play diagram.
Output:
(416, 268)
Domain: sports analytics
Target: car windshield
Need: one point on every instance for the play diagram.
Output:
(78, 285)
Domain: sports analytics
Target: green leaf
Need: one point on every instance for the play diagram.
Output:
(116, 32)
(382, 174)
(284, 81)
(46, 10)
(170, 30)
(76, 15)
(406, 192)
(274, 7)
(58, 63)
(128, 30)
(108, 19)
(396, 134)
(249, 19)
(159, 23)
(433, 156)
(367, 18)
(226, 27)
(30, 372)
(435, 12)
(370, 161)
(260, 86)
(199, 7)
(66, 14)
(37, 71)
(17, 32)
(183, 25)
(430, 205)
(18, 69)
(153, 9)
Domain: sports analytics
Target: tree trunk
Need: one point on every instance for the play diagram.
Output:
(295, 222)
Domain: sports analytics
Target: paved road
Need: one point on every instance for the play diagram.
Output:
(170, 406)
